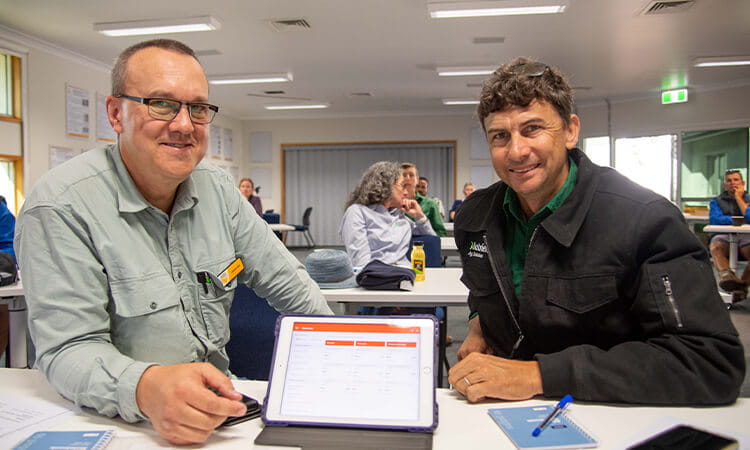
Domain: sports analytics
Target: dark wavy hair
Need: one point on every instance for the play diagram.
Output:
(120, 69)
(509, 86)
(376, 184)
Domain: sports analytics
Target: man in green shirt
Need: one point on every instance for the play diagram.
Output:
(428, 205)
(130, 255)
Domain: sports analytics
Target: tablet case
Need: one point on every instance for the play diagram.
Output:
(333, 426)
(314, 438)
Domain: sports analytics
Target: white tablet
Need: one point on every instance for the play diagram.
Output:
(354, 371)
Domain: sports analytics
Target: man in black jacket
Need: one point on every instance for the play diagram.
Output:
(580, 281)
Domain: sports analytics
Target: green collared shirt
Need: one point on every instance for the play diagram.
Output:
(112, 283)
(520, 230)
(432, 212)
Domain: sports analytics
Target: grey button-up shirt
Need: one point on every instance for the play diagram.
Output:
(376, 232)
(112, 283)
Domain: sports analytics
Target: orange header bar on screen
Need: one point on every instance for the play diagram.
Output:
(354, 327)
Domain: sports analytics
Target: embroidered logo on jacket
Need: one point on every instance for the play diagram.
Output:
(477, 250)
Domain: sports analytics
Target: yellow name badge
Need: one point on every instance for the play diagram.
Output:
(231, 272)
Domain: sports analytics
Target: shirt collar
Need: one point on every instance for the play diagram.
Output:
(512, 206)
(130, 199)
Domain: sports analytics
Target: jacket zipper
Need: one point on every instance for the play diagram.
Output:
(670, 296)
(505, 297)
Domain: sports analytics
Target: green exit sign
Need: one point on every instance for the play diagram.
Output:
(674, 96)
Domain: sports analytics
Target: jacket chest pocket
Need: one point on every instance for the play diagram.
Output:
(582, 294)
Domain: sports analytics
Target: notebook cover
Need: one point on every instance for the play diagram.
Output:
(80, 440)
(519, 422)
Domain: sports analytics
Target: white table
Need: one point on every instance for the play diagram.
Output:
(280, 227)
(461, 425)
(448, 243)
(442, 287)
(692, 219)
(732, 231)
(13, 295)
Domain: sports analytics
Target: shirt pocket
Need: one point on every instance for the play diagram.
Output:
(147, 296)
(215, 301)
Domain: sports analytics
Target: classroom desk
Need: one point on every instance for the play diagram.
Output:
(732, 231)
(280, 227)
(442, 287)
(13, 295)
(692, 219)
(461, 425)
(448, 243)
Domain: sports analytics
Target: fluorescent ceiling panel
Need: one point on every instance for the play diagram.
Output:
(447, 10)
(282, 107)
(157, 26)
(464, 71)
(460, 101)
(722, 61)
(251, 78)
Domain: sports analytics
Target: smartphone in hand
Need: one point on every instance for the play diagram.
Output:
(684, 437)
(253, 411)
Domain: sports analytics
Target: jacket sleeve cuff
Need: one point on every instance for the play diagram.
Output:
(558, 378)
(126, 387)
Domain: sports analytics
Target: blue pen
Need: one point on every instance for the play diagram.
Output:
(555, 412)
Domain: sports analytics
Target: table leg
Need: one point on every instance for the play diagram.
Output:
(442, 340)
(733, 252)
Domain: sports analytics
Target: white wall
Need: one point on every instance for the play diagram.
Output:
(374, 129)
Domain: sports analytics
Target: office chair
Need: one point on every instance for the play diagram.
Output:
(305, 227)
(252, 324)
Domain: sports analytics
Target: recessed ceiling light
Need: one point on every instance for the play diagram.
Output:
(464, 71)
(157, 26)
(460, 101)
(251, 78)
(447, 10)
(282, 107)
(722, 61)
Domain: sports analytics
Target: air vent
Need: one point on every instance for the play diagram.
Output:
(274, 92)
(489, 40)
(360, 94)
(473, 85)
(666, 7)
(290, 24)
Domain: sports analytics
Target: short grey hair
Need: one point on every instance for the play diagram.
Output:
(120, 69)
(376, 184)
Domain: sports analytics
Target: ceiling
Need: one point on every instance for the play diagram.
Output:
(390, 48)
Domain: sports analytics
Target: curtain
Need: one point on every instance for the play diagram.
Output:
(322, 176)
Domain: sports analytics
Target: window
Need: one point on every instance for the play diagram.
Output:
(11, 154)
(706, 155)
(647, 161)
(597, 149)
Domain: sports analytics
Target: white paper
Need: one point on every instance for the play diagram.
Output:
(17, 413)
(481, 176)
(104, 131)
(261, 147)
(479, 149)
(58, 155)
(226, 143)
(214, 149)
(77, 112)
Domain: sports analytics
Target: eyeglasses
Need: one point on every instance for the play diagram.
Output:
(167, 109)
(530, 69)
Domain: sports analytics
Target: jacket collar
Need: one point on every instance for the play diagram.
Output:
(563, 224)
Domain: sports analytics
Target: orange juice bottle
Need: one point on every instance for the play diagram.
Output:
(417, 260)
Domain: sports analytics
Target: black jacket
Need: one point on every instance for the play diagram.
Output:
(618, 299)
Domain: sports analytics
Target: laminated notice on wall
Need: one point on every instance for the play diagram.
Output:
(77, 122)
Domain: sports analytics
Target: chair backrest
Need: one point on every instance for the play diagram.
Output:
(306, 216)
(252, 324)
(432, 252)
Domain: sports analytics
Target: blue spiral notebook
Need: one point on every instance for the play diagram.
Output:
(519, 422)
(79, 440)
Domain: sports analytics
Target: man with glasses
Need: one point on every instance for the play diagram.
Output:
(130, 254)
(580, 281)
(732, 202)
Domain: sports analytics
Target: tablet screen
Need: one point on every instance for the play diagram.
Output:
(355, 371)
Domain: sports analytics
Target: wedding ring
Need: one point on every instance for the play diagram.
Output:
(466, 380)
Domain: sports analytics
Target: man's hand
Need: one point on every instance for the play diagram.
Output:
(474, 341)
(480, 376)
(180, 405)
(412, 209)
